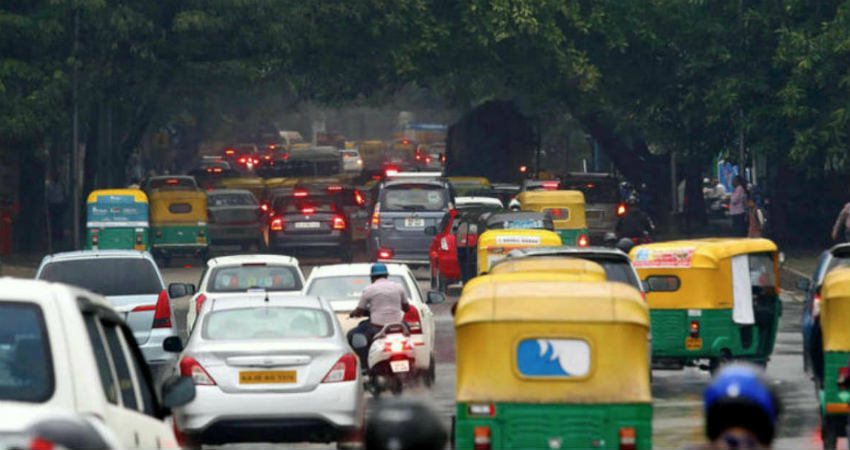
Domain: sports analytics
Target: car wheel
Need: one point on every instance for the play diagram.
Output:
(434, 272)
(431, 374)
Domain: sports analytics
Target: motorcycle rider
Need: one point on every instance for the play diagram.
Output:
(384, 301)
(741, 409)
(635, 224)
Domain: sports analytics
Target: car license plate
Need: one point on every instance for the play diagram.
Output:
(201, 240)
(413, 222)
(268, 377)
(400, 366)
(693, 343)
(308, 225)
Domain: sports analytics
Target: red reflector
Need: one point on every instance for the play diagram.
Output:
(144, 308)
(162, 316)
(37, 443)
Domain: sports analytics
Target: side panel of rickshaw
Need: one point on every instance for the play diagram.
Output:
(117, 220)
(120, 238)
(494, 245)
(835, 328)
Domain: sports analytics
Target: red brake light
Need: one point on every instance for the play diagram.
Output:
(405, 141)
(334, 188)
(358, 198)
(162, 316)
(583, 241)
(391, 171)
(621, 210)
(172, 181)
(523, 169)
(277, 224)
(229, 152)
(189, 367)
(199, 302)
(694, 329)
(411, 318)
(264, 207)
(385, 253)
(300, 193)
(308, 210)
(209, 169)
(242, 160)
(339, 223)
(628, 438)
(376, 216)
(344, 370)
(38, 443)
(272, 146)
(552, 185)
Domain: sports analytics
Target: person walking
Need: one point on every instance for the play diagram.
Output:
(737, 207)
(755, 220)
(843, 220)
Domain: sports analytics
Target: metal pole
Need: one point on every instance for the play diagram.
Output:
(75, 161)
(674, 203)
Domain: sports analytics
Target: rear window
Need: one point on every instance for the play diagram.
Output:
(414, 197)
(347, 287)
(231, 200)
(267, 323)
(595, 191)
(26, 369)
(179, 208)
(313, 205)
(126, 276)
(617, 270)
(520, 224)
(242, 278)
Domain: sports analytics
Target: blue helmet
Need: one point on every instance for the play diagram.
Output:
(739, 396)
(379, 269)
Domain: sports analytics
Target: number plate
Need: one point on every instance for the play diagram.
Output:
(268, 377)
(400, 366)
(693, 343)
(201, 240)
(309, 225)
(412, 222)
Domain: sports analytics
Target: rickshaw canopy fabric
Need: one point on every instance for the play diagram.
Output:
(117, 208)
(567, 208)
(178, 207)
(835, 310)
(551, 264)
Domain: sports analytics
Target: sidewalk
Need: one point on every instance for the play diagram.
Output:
(20, 265)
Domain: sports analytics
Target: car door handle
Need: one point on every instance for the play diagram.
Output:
(136, 436)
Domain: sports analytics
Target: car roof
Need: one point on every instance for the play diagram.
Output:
(356, 269)
(398, 181)
(91, 254)
(513, 215)
(215, 192)
(578, 252)
(276, 299)
(234, 260)
(477, 200)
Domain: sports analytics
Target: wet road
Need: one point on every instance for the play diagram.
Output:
(677, 394)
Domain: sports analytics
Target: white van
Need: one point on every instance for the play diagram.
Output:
(64, 349)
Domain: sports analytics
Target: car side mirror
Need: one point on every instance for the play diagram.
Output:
(431, 231)
(435, 297)
(804, 284)
(172, 344)
(177, 391)
(176, 290)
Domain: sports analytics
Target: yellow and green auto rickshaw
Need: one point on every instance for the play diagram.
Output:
(494, 245)
(710, 300)
(463, 186)
(550, 264)
(179, 224)
(832, 381)
(566, 209)
(546, 362)
(117, 219)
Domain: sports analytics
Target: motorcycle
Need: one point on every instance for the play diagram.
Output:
(390, 360)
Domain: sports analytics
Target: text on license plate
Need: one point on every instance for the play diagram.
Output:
(267, 377)
(412, 222)
(400, 366)
(693, 343)
(307, 225)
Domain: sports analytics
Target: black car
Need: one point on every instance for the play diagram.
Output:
(235, 218)
(310, 224)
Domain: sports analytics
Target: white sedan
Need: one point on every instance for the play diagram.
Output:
(269, 368)
(230, 277)
(342, 285)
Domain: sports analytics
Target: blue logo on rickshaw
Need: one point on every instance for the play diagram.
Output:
(553, 357)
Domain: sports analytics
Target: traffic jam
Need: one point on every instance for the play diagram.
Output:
(286, 293)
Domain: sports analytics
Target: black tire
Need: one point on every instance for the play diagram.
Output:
(430, 375)
(716, 363)
(396, 386)
(829, 432)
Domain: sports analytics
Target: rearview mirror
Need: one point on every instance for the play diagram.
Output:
(176, 290)
(172, 344)
(431, 231)
(804, 284)
(177, 391)
(435, 297)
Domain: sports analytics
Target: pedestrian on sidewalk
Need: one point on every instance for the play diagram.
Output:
(755, 220)
(843, 220)
(737, 207)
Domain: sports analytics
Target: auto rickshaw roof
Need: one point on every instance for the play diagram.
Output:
(169, 196)
(551, 197)
(589, 270)
(465, 179)
(138, 195)
(242, 181)
(835, 302)
(696, 252)
(545, 297)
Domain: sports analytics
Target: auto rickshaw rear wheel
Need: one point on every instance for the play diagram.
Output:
(716, 363)
(829, 432)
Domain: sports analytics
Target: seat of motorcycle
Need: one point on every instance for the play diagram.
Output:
(393, 328)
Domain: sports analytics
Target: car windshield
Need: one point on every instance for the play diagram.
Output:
(346, 287)
(248, 276)
(26, 370)
(595, 191)
(231, 200)
(414, 197)
(126, 276)
(266, 323)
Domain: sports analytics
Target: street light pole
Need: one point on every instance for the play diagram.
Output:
(75, 159)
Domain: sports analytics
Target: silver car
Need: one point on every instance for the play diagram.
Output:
(131, 282)
(269, 368)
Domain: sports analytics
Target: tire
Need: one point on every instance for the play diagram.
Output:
(829, 433)
(716, 363)
(396, 386)
(430, 375)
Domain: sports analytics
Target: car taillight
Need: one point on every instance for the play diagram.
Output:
(229, 152)
(621, 210)
(307, 211)
(552, 185)
(256, 161)
(816, 306)
(482, 410)
(583, 241)
(276, 224)
(242, 160)
(344, 370)
(199, 302)
(162, 316)
(334, 188)
(300, 193)
(359, 162)
(444, 244)
(376, 216)
(38, 443)
(94, 238)
(628, 438)
(264, 207)
(391, 171)
(189, 367)
(138, 239)
(523, 169)
(385, 253)
(411, 318)
(339, 223)
(397, 346)
(481, 438)
(694, 329)
(358, 198)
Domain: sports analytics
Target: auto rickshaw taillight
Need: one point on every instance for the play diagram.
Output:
(843, 379)
(94, 238)
(816, 306)
(583, 241)
(628, 438)
(481, 437)
(694, 329)
(138, 239)
(159, 232)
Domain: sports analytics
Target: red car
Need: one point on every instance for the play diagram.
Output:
(443, 253)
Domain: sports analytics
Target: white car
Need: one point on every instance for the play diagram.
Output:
(351, 160)
(471, 202)
(229, 277)
(269, 368)
(66, 351)
(342, 285)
